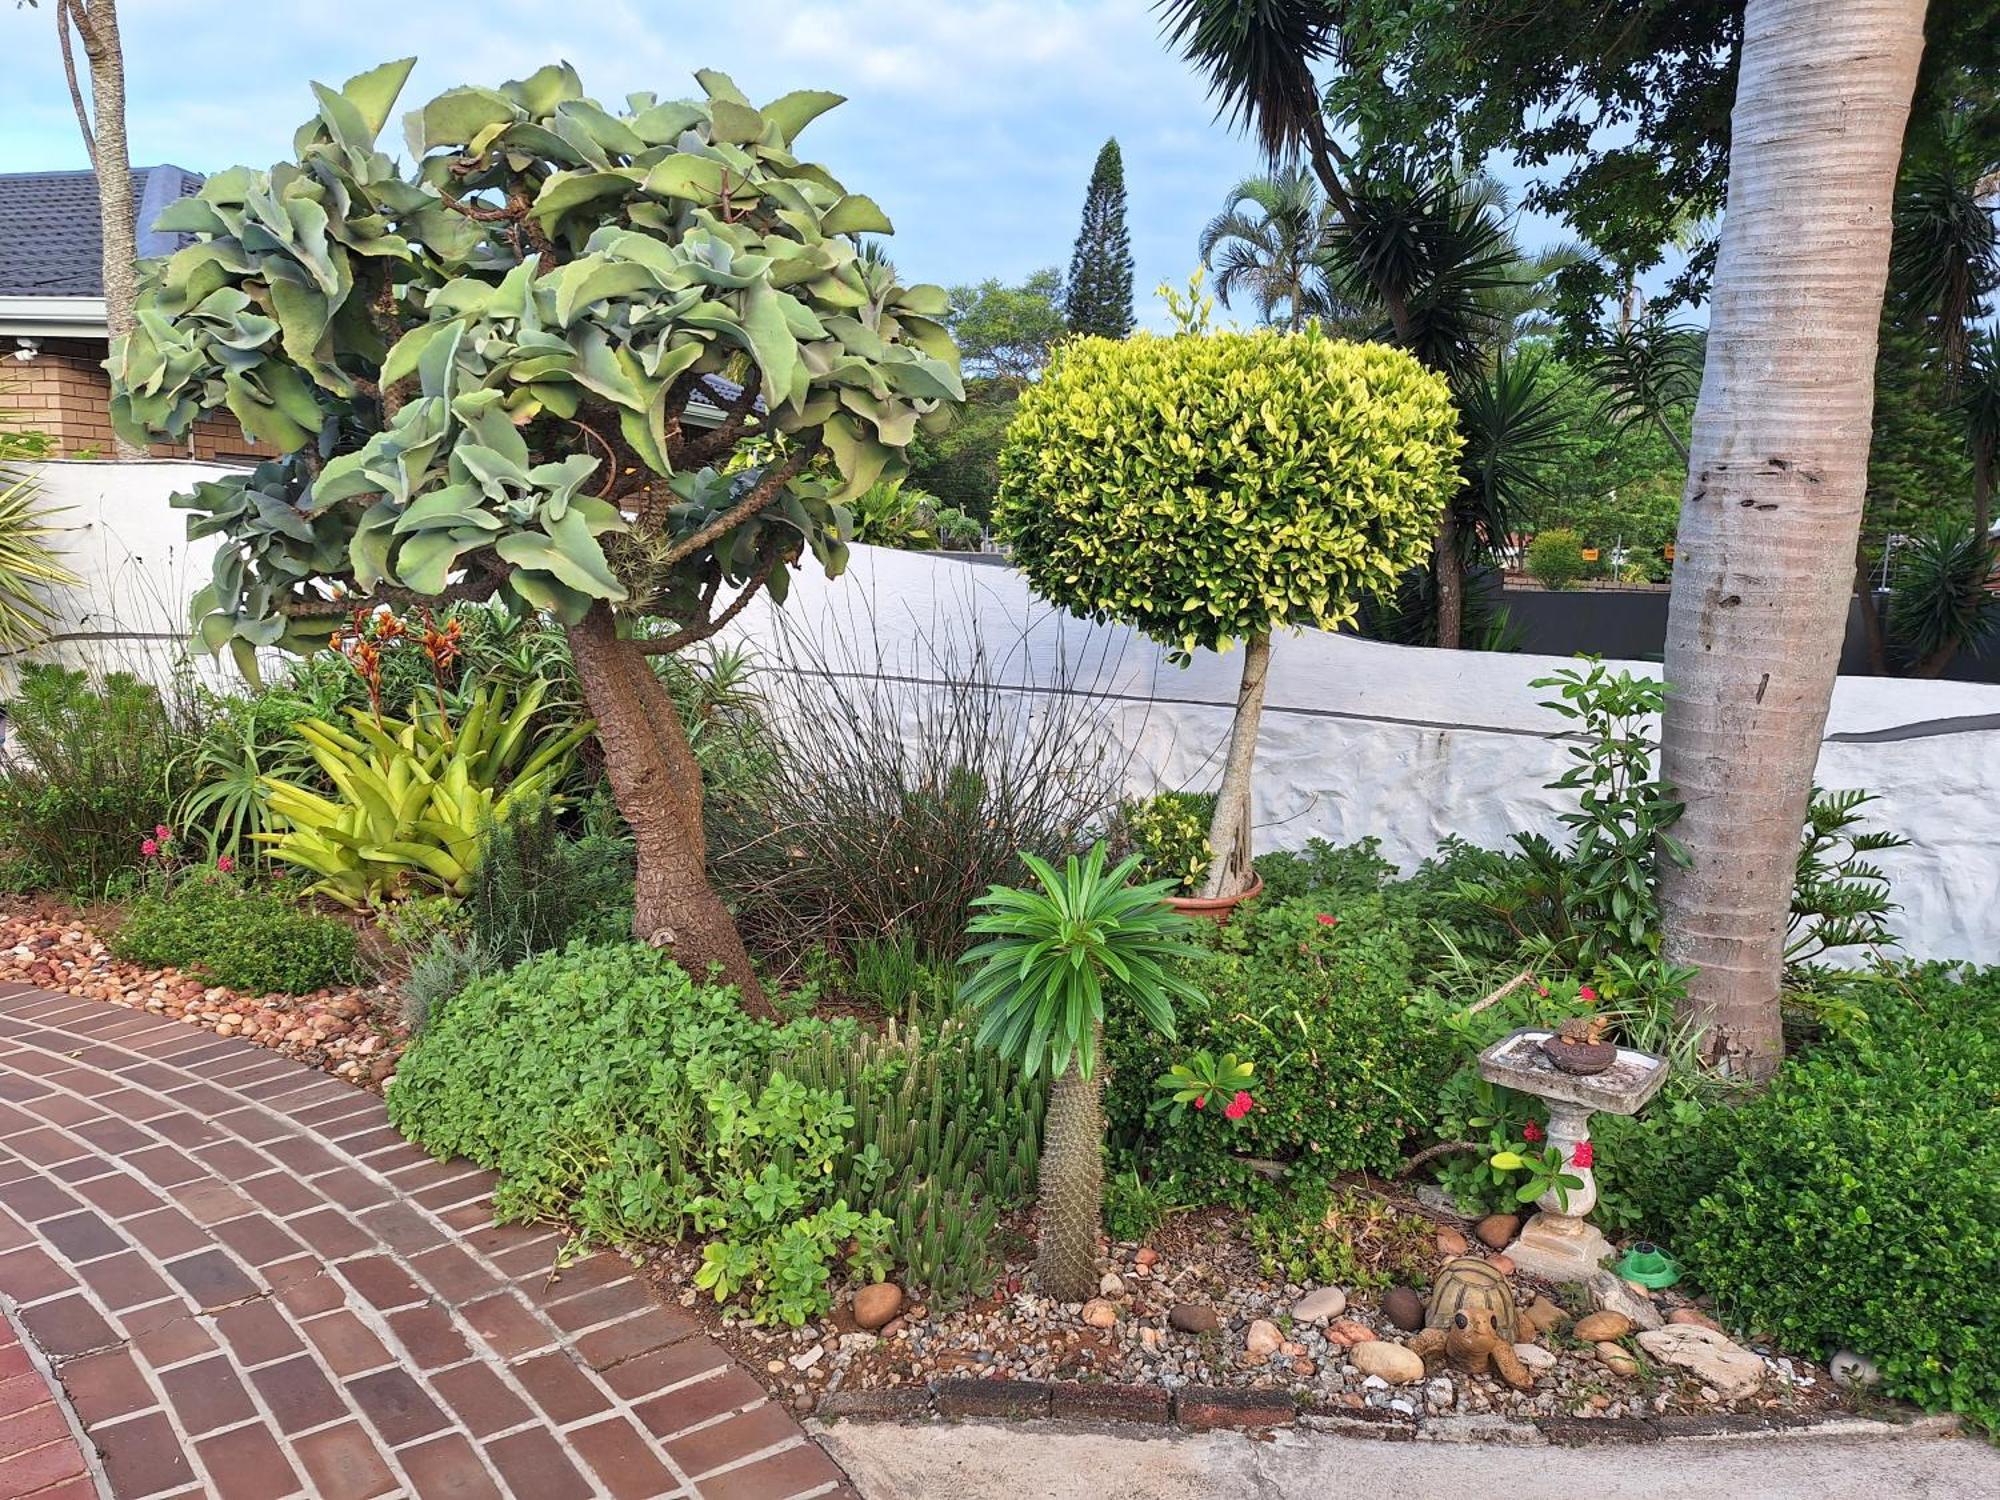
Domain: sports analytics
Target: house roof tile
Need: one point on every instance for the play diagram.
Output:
(50, 239)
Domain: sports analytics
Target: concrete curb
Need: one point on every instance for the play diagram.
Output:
(1198, 1408)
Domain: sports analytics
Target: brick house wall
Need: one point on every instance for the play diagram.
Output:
(64, 392)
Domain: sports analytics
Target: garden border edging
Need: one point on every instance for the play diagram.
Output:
(1199, 1408)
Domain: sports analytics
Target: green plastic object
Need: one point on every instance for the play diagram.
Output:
(1650, 1266)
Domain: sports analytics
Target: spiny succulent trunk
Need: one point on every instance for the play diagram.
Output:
(1229, 840)
(657, 783)
(1072, 1188)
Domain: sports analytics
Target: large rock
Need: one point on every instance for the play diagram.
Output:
(1535, 1357)
(1497, 1231)
(1710, 1357)
(1451, 1242)
(1543, 1315)
(876, 1305)
(1262, 1339)
(1318, 1307)
(1617, 1358)
(1602, 1327)
(1391, 1362)
(1404, 1308)
(1347, 1331)
(1609, 1293)
(1097, 1313)
(1193, 1317)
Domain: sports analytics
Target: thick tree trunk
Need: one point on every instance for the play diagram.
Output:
(1449, 572)
(1772, 511)
(657, 783)
(1070, 1194)
(1229, 832)
(96, 24)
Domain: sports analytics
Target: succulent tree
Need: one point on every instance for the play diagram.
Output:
(620, 367)
(1054, 955)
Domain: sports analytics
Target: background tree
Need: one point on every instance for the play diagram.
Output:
(1258, 480)
(1268, 248)
(1099, 299)
(1004, 332)
(1773, 506)
(479, 372)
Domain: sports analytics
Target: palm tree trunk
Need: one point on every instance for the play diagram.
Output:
(1229, 831)
(1772, 511)
(1070, 1192)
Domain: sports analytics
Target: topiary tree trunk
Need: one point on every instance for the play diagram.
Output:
(1229, 833)
(1071, 1188)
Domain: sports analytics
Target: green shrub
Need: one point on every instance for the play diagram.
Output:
(1555, 558)
(1854, 1203)
(1322, 1236)
(614, 1094)
(255, 942)
(84, 781)
(1169, 833)
(1328, 1003)
(535, 888)
(1330, 872)
(893, 973)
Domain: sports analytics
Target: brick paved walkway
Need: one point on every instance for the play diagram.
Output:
(250, 1287)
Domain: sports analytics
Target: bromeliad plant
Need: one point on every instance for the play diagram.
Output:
(534, 366)
(1040, 983)
(415, 797)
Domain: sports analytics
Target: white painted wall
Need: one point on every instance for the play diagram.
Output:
(1410, 745)
(1358, 738)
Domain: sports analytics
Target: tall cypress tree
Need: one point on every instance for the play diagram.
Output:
(1100, 270)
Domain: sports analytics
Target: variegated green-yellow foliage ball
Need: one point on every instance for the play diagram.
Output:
(1206, 487)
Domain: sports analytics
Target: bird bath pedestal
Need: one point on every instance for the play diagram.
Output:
(1558, 1243)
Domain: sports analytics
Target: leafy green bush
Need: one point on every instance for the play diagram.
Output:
(1322, 1236)
(1854, 1204)
(1330, 872)
(85, 779)
(1169, 833)
(1329, 1004)
(253, 941)
(1555, 558)
(614, 1094)
(534, 888)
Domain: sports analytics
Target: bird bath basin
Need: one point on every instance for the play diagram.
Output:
(1558, 1242)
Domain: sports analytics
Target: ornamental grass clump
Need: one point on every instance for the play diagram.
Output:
(1209, 488)
(1039, 984)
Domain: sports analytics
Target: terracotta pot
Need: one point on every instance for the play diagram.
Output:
(1217, 909)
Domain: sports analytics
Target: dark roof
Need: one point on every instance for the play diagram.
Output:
(49, 240)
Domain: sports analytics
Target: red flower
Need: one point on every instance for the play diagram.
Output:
(149, 847)
(1585, 992)
(1326, 920)
(1582, 1156)
(1239, 1106)
(1531, 1131)
(162, 832)
(224, 863)
(1542, 990)
(1201, 1101)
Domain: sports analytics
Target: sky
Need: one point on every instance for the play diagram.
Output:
(974, 123)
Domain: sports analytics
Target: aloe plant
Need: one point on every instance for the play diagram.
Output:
(414, 796)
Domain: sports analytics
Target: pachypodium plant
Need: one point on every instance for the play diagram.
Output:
(1039, 984)
(1210, 488)
(609, 365)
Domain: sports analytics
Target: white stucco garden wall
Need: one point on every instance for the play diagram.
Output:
(1358, 738)
(1412, 745)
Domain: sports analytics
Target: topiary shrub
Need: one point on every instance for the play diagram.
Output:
(1555, 558)
(1856, 1203)
(1326, 1002)
(255, 942)
(1210, 488)
(1169, 833)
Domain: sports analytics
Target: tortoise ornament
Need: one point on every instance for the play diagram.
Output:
(1471, 1322)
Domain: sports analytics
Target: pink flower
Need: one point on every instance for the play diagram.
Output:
(1240, 1106)
(224, 863)
(1542, 990)
(1531, 1131)
(1585, 992)
(1326, 920)
(1582, 1156)
(162, 832)
(149, 847)
(1201, 1101)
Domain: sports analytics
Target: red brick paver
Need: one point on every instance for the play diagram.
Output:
(249, 1287)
